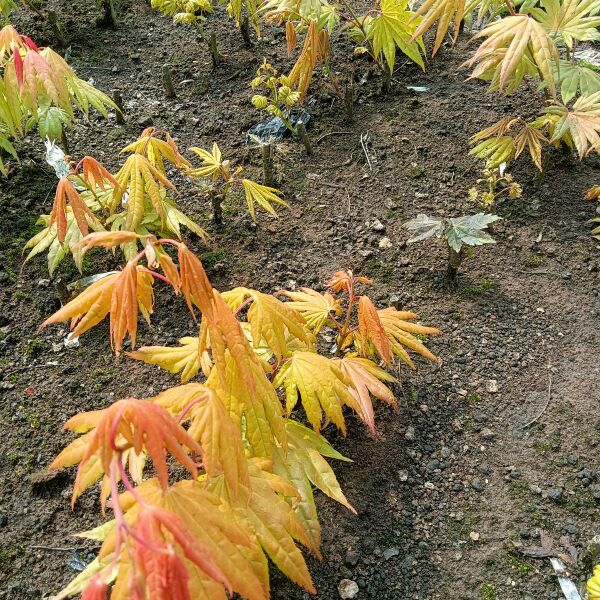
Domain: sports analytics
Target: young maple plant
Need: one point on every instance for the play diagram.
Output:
(251, 466)
(37, 87)
(459, 234)
(138, 198)
(386, 28)
(534, 46)
(218, 179)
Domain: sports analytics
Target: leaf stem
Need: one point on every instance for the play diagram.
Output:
(510, 7)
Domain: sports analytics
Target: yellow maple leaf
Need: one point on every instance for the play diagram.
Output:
(322, 387)
(184, 358)
(399, 331)
(316, 308)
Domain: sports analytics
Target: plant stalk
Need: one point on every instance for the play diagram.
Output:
(301, 129)
(245, 31)
(268, 170)
(167, 81)
(454, 261)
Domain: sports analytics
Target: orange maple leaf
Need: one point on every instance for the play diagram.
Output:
(371, 330)
(95, 175)
(345, 280)
(96, 590)
(120, 294)
(66, 191)
(129, 423)
(195, 286)
(165, 574)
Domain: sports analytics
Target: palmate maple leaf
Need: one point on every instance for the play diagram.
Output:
(96, 175)
(73, 454)
(304, 466)
(367, 379)
(262, 509)
(185, 358)
(130, 423)
(238, 375)
(157, 150)
(314, 51)
(578, 126)
(143, 181)
(569, 19)
(574, 78)
(213, 165)
(252, 403)
(163, 571)
(261, 195)
(372, 331)
(47, 239)
(399, 331)
(394, 28)
(442, 12)
(322, 387)
(344, 281)
(121, 294)
(202, 516)
(316, 308)
(210, 425)
(65, 190)
(271, 320)
(511, 42)
(498, 144)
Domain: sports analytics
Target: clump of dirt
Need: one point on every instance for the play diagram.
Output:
(493, 445)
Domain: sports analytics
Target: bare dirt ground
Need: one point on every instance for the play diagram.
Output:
(456, 483)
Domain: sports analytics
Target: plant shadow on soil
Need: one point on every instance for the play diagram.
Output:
(509, 319)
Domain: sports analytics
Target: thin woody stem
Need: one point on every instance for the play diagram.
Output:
(345, 327)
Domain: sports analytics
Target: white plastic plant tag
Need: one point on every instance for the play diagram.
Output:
(55, 157)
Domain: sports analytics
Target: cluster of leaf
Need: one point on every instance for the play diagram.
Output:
(498, 183)
(527, 46)
(278, 97)
(251, 466)
(194, 12)
(38, 88)
(215, 171)
(138, 198)
(387, 27)
(458, 232)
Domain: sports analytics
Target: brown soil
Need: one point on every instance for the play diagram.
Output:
(456, 460)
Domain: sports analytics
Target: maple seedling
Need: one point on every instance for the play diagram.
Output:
(37, 87)
(278, 97)
(251, 468)
(497, 182)
(135, 199)
(458, 233)
(218, 179)
(192, 12)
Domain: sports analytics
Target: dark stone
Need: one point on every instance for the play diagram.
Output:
(478, 485)
(555, 493)
(351, 559)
